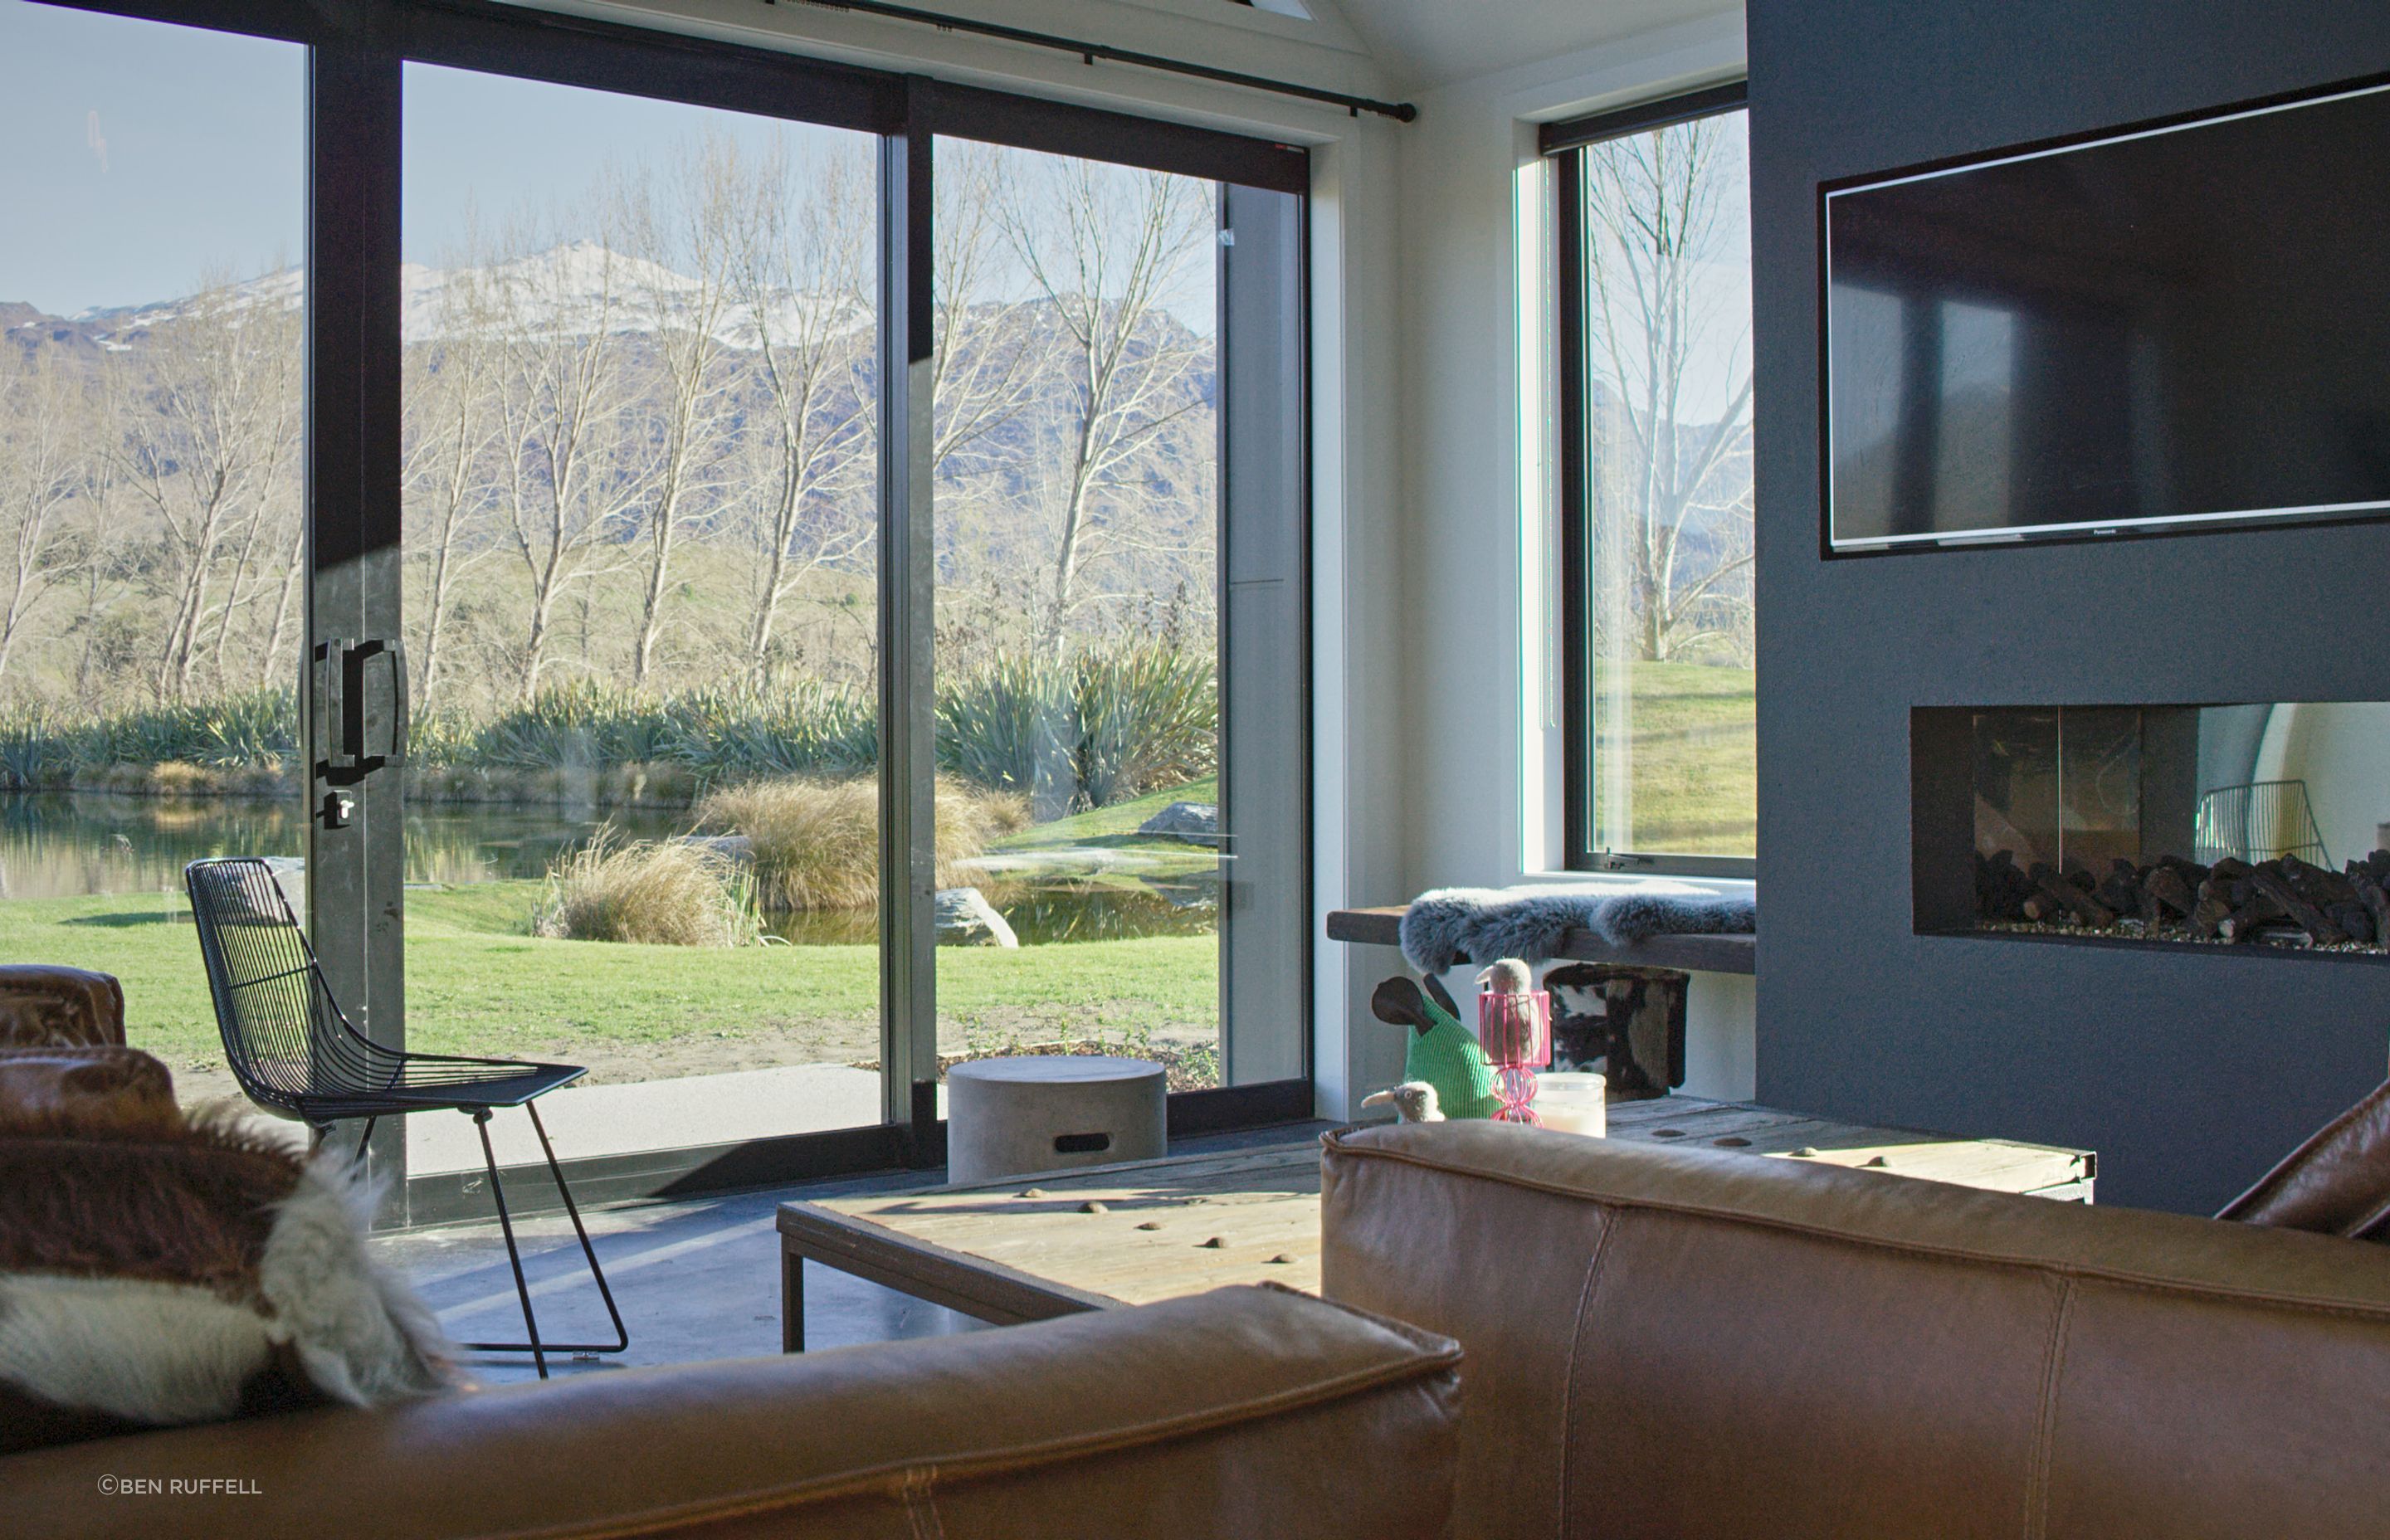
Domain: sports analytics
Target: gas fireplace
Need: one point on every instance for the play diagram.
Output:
(2252, 825)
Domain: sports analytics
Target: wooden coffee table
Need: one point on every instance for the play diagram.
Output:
(1146, 1230)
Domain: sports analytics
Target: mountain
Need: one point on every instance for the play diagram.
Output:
(572, 289)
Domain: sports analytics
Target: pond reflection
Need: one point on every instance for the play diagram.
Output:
(78, 845)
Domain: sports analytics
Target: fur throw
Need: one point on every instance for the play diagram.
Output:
(160, 1271)
(1453, 925)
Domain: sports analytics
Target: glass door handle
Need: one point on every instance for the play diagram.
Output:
(331, 743)
(393, 652)
(337, 675)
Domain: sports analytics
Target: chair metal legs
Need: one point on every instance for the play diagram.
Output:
(538, 1349)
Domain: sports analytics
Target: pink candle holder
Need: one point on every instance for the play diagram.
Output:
(1516, 1032)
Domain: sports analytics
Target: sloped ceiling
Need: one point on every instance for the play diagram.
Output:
(1424, 44)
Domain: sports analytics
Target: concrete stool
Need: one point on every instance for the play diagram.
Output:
(1013, 1117)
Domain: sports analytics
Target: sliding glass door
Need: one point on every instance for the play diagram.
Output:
(1077, 518)
(1101, 598)
(640, 462)
(755, 577)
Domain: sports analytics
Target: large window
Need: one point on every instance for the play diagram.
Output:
(757, 578)
(1655, 386)
(151, 442)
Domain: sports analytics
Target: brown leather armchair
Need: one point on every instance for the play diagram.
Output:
(1686, 1344)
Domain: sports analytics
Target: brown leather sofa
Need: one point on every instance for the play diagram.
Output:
(1240, 1412)
(1244, 1412)
(1685, 1344)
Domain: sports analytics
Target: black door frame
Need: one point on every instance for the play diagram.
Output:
(359, 51)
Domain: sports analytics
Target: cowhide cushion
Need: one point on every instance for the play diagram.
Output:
(45, 1005)
(60, 1079)
(157, 1269)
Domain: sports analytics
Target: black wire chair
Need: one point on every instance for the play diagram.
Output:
(294, 1052)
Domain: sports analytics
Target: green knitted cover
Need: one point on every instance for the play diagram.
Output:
(1447, 1058)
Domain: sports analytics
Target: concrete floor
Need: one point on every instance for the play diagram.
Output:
(696, 1279)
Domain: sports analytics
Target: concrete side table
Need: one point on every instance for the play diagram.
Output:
(1036, 1112)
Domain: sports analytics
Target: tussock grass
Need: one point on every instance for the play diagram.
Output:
(816, 843)
(1103, 725)
(663, 893)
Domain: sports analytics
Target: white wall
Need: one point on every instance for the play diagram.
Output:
(1478, 681)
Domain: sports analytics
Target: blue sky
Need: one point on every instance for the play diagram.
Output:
(135, 157)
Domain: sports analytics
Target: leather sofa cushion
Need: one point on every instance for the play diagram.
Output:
(1686, 1344)
(1235, 1414)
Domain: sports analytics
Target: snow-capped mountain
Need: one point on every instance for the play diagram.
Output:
(577, 289)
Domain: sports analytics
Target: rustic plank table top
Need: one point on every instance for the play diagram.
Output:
(1146, 1230)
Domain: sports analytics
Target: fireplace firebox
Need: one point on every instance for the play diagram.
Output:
(2257, 825)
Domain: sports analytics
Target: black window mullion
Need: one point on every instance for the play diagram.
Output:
(1575, 517)
(1574, 133)
(355, 840)
(637, 61)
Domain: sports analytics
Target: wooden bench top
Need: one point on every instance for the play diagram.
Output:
(1694, 953)
(1030, 1249)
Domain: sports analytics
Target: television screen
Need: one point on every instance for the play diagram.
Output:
(2160, 328)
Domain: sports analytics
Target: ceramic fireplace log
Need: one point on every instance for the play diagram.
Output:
(2372, 895)
(2301, 910)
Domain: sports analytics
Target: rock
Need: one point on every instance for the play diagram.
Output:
(965, 919)
(1197, 823)
(732, 850)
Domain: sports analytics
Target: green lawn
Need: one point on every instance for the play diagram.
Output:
(478, 983)
(1696, 775)
(1114, 827)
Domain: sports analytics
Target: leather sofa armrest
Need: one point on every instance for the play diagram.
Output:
(1238, 1413)
(2336, 1183)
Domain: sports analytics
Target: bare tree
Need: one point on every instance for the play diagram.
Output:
(46, 428)
(451, 424)
(209, 406)
(799, 275)
(681, 255)
(1674, 481)
(1106, 249)
(564, 400)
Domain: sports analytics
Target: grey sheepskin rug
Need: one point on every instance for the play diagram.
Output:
(1451, 926)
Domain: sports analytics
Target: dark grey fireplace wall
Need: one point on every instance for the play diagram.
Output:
(2189, 1073)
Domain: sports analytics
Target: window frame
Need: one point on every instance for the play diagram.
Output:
(1562, 145)
(359, 50)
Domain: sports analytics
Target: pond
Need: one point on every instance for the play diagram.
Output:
(74, 844)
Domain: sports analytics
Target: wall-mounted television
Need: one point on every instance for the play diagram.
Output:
(2173, 326)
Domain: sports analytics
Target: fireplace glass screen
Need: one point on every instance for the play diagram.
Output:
(2260, 825)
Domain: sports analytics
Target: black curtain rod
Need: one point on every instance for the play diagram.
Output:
(1402, 112)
